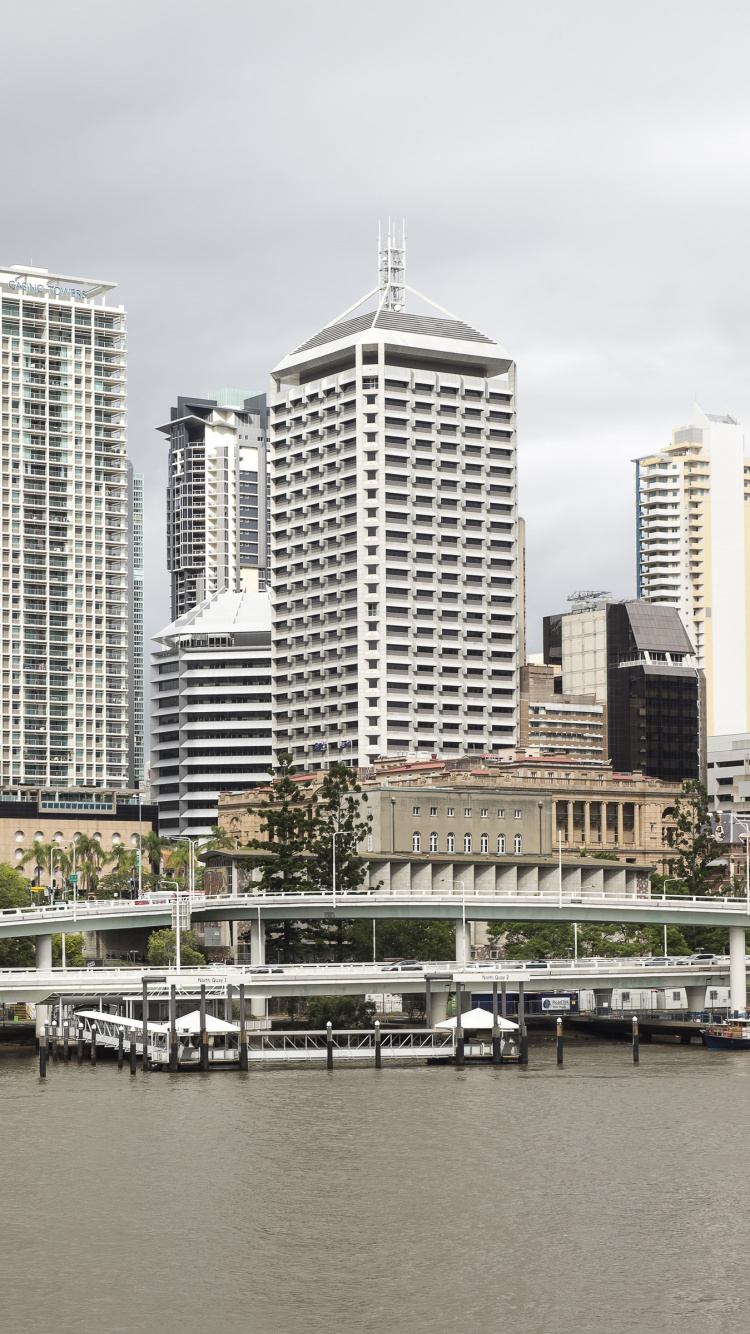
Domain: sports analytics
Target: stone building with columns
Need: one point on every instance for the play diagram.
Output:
(515, 806)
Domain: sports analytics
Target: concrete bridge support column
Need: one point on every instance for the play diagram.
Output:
(737, 969)
(43, 960)
(439, 1007)
(257, 958)
(696, 997)
(463, 943)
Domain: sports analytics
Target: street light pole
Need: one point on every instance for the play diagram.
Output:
(333, 843)
(140, 846)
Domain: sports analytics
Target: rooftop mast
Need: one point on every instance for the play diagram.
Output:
(392, 269)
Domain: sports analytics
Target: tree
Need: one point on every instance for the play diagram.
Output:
(73, 951)
(403, 939)
(162, 949)
(38, 854)
(340, 1011)
(17, 951)
(338, 817)
(218, 839)
(288, 822)
(153, 846)
(693, 841)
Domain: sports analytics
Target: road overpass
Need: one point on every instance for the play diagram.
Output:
(37, 985)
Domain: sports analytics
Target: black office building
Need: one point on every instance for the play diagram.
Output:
(655, 696)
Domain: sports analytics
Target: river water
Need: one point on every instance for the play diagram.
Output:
(602, 1198)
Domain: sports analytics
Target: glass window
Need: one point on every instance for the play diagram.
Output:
(467, 842)
(433, 842)
(450, 811)
(416, 842)
(501, 842)
(450, 843)
(517, 815)
(433, 810)
(501, 812)
(483, 813)
(517, 842)
(467, 810)
(484, 843)
(415, 810)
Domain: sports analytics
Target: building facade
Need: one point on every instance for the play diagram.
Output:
(210, 709)
(553, 723)
(636, 658)
(728, 779)
(66, 597)
(501, 808)
(395, 535)
(136, 680)
(693, 554)
(217, 505)
(49, 816)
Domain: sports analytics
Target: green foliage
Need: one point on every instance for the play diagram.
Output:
(340, 1011)
(18, 951)
(162, 949)
(541, 940)
(14, 888)
(694, 843)
(73, 952)
(599, 856)
(399, 939)
(288, 823)
(337, 810)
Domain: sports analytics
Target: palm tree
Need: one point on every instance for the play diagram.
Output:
(39, 853)
(90, 856)
(219, 838)
(153, 846)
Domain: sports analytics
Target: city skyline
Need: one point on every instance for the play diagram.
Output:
(620, 311)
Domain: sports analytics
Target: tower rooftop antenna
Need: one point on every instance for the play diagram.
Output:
(392, 269)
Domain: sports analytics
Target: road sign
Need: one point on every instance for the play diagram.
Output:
(73, 879)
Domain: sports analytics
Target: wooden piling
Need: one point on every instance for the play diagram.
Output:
(144, 1037)
(80, 1044)
(460, 1046)
(173, 1027)
(204, 1032)
(378, 1051)
(329, 1045)
(243, 1030)
(636, 1044)
(523, 1040)
(559, 1041)
(66, 1043)
(43, 1053)
(497, 1051)
(132, 1052)
(93, 1044)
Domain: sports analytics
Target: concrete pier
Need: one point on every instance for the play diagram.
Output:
(737, 969)
(43, 960)
(463, 943)
(257, 959)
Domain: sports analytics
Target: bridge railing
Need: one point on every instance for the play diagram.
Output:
(88, 911)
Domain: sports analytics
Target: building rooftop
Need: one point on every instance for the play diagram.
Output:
(223, 613)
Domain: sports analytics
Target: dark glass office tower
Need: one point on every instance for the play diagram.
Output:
(655, 693)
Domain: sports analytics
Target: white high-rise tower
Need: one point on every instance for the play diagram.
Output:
(693, 552)
(65, 565)
(395, 535)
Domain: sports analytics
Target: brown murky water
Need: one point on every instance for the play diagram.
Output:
(597, 1199)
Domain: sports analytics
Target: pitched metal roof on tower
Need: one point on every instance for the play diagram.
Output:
(399, 320)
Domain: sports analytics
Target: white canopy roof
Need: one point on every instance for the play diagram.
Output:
(191, 1023)
(478, 1018)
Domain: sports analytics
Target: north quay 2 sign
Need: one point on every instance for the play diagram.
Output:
(45, 289)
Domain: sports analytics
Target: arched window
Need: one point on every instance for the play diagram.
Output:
(501, 842)
(517, 841)
(484, 843)
(467, 842)
(450, 843)
(433, 842)
(416, 842)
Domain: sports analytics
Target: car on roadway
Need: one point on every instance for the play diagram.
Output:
(402, 966)
(264, 970)
(658, 961)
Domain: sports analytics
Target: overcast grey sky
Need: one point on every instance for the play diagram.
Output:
(574, 178)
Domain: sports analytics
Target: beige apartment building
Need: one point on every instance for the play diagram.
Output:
(557, 724)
